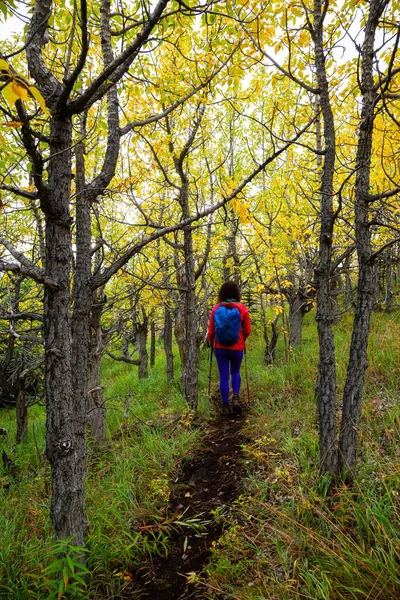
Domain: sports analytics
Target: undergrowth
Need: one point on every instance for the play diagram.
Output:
(150, 431)
(292, 534)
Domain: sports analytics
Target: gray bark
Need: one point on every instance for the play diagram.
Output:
(326, 387)
(300, 303)
(191, 325)
(22, 413)
(66, 413)
(168, 344)
(66, 339)
(96, 404)
(296, 318)
(228, 272)
(152, 344)
(352, 395)
(389, 295)
(142, 330)
(348, 285)
(189, 375)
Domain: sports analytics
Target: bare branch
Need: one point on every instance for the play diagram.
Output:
(24, 316)
(375, 255)
(374, 197)
(118, 67)
(69, 82)
(19, 192)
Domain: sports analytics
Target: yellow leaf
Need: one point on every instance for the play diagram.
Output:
(14, 124)
(4, 65)
(19, 90)
(38, 97)
(10, 96)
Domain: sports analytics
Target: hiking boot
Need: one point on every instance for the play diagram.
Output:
(236, 406)
(226, 409)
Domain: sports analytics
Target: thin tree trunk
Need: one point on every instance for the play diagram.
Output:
(96, 403)
(22, 413)
(168, 344)
(180, 338)
(348, 285)
(191, 324)
(141, 336)
(152, 344)
(296, 318)
(389, 283)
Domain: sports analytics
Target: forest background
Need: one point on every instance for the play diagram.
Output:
(149, 152)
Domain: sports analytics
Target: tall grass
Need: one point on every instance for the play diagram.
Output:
(149, 430)
(286, 537)
(289, 538)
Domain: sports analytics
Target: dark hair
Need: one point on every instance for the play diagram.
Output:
(229, 291)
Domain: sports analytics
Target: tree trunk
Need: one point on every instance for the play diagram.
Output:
(352, 395)
(179, 332)
(232, 273)
(389, 283)
(96, 403)
(296, 318)
(348, 285)
(22, 413)
(326, 387)
(152, 344)
(270, 343)
(168, 344)
(66, 412)
(141, 336)
(191, 325)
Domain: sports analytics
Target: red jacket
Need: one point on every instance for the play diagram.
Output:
(244, 330)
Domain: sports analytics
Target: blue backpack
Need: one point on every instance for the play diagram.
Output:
(227, 325)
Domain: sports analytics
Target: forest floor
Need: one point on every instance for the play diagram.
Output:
(208, 483)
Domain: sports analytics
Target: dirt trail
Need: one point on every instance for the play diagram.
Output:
(208, 481)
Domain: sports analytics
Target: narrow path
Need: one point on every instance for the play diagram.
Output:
(208, 481)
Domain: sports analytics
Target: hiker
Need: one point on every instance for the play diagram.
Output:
(228, 329)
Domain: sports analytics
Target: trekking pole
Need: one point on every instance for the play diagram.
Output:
(247, 375)
(209, 373)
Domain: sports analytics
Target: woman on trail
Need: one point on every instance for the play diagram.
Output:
(228, 329)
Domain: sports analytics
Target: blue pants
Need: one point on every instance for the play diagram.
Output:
(228, 358)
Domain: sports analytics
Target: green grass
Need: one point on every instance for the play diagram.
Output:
(149, 431)
(287, 536)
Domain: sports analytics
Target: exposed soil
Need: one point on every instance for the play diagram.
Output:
(208, 481)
